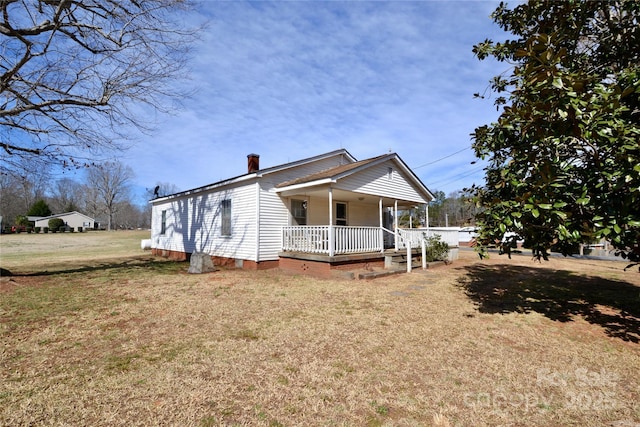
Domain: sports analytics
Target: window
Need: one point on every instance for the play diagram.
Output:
(163, 223)
(299, 211)
(225, 214)
(341, 213)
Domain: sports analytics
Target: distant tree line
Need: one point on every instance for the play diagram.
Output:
(103, 193)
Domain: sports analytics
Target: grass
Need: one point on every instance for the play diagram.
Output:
(117, 337)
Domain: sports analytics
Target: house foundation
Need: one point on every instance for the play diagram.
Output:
(325, 266)
(318, 265)
(218, 261)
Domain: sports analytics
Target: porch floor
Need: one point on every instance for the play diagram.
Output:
(344, 257)
(369, 265)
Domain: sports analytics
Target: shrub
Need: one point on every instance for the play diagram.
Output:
(45, 230)
(79, 229)
(22, 221)
(55, 224)
(437, 250)
(70, 229)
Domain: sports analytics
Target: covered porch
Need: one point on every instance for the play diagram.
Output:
(329, 221)
(350, 214)
(358, 252)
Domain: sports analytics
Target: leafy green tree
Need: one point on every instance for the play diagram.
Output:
(39, 208)
(564, 157)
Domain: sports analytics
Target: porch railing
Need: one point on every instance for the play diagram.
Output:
(345, 240)
(414, 236)
(317, 239)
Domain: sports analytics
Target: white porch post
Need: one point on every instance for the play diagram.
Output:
(395, 223)
(381, 226)
(426, 208)
(331, 235)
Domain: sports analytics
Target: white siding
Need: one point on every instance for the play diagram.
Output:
(318, 211)
(72, 219)
(274, 209)
(273, 216)
(376, 180)
(361, 214)
(358, 214)
(193, 223)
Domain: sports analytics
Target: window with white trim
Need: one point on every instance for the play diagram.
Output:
(299, 211)
(163, 222)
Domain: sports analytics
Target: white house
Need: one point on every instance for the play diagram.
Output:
(321, 213)
(71, 219)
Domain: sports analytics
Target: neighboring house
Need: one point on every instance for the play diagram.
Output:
(71, 219)
(322, 213)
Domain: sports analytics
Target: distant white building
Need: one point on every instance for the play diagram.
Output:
(71, 219)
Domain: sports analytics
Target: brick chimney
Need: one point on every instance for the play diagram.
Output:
(253, 162)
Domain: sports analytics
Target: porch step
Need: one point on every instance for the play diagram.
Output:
(398, 260)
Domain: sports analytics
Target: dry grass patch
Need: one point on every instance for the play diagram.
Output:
(57, 251)
(143, 343)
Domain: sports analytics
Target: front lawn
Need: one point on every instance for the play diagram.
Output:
(134, 340)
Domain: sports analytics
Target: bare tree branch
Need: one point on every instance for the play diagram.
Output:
(71, 71)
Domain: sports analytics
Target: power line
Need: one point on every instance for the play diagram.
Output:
(445, 157)
(456, 177)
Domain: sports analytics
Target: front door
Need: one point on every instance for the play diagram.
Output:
(341, 213)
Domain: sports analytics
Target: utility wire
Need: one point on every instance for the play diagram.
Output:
(445, 157)
(456, 177)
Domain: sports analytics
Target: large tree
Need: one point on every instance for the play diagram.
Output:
(72, 71)
(564, 155)
(111, 183)
(39, 208)
(66, 195)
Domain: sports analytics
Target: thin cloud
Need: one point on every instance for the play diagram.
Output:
(293, 79)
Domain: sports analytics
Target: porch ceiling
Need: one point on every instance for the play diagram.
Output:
(322, 192)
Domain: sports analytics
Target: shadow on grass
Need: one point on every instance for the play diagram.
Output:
(149, 263)
(557, 294)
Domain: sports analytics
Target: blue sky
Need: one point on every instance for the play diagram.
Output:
(289, 80)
